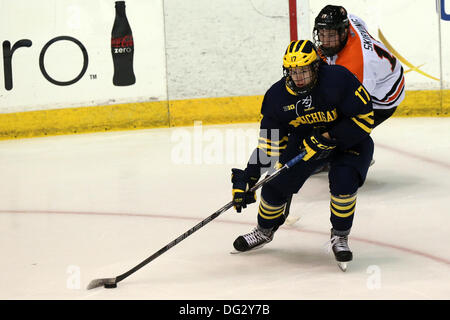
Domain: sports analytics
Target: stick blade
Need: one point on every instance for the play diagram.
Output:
(290, 221)
(101, 282)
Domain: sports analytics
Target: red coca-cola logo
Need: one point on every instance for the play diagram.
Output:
(122, 42)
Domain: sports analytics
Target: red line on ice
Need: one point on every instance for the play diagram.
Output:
(412, 155)
(161, 216)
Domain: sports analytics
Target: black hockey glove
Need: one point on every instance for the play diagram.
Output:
(240, 181)
(318, 147)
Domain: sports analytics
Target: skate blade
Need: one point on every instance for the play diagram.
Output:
(253, 249)
(291, 221)
(342, 266)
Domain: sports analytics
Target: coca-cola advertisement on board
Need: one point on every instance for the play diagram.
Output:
(78, 53)
(122, 48)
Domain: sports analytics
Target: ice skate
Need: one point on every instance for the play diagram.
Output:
(253, 240)
(341, 250)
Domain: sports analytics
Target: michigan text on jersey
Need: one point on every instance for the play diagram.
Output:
(315, 117)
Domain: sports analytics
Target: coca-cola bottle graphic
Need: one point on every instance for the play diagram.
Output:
(122, 48)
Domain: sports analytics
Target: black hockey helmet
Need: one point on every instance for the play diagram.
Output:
(331, 18)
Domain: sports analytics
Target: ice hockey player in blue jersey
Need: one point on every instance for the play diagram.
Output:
(323, 110)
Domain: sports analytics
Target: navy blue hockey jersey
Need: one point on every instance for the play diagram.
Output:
(339, 104)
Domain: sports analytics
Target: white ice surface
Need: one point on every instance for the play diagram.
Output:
(76, 208)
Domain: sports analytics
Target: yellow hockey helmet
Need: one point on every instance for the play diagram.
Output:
(300, 54)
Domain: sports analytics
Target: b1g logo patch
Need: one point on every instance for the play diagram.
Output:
(288, 108)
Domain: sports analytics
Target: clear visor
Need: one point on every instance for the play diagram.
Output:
(302, 76)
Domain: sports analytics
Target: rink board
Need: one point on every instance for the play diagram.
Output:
(159, 114)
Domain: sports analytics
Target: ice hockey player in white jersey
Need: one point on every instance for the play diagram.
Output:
(343, 39)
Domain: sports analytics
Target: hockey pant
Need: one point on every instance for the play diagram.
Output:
(348, 170)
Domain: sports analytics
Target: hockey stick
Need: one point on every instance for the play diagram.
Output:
(112, 282)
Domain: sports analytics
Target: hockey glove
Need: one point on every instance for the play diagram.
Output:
(318, 147)
(242, 197)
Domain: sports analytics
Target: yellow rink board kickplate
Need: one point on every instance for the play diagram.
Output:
(160, 114)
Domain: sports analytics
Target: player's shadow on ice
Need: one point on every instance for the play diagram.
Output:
(311, 259)
(387, 181)
(316, 188)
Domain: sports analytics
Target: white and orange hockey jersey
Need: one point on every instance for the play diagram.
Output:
(374, 66)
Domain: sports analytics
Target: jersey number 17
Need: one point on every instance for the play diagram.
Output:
(359, 95)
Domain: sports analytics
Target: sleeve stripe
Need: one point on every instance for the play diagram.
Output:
(269, 152)
(274, 142)
(362, 126)
(366, 117)
(367, 122)
(266, 146)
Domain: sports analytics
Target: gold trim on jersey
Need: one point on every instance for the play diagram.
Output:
(272, 147)
(362, 125)
(285, 138)
(267, 146)
(290, 91)
(367, 117)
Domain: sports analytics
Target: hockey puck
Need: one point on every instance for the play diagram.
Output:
(110, 285)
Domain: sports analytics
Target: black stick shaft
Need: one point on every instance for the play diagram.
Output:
(196, 227)
(175, 242)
